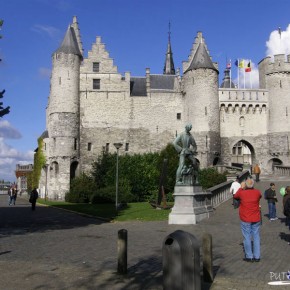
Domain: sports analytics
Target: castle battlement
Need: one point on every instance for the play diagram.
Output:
(280, 63)
(243, 95)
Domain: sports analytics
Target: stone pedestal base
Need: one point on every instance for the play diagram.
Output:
(191, 205)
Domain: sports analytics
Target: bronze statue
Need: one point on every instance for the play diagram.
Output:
(186, 147)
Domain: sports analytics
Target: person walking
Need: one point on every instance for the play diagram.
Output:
(250, 216)
(257, 172)
(33, 198)
(234, 188)
(271, 197)
(12, 192)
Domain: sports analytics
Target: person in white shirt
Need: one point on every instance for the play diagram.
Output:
(234, 188)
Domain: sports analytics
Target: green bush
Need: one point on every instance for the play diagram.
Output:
(81, 189)
(140, 171)
(172, 157)
(108, 194)
(209, 177)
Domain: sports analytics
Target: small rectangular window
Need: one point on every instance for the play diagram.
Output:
(107, 147)
(96, 66)
(178, 116)
(89, 146)
(96, 84)
(127, 147)
(75, 144)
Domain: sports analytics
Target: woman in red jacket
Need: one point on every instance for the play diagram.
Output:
(250, 217)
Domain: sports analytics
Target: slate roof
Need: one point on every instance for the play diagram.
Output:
(69, 44)
(201, 59)
(162, 82)
(157, 82)
(138, 86)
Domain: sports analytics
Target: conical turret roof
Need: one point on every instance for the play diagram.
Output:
(69, 44)
(201, 59)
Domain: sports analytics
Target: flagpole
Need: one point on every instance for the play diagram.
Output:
(251, 74)
(238, 73)
(244, 77)
(230, 73)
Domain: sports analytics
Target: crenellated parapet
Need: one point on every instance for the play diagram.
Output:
(279, 64)
(243, 95)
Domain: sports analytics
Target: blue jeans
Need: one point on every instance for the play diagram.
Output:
(272, 210)
(251, 231)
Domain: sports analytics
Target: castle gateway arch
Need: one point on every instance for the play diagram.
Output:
(243, 153)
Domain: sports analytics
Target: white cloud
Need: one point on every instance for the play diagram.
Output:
(7, 131)
(51, 31)
(9, 157)
(278, 44)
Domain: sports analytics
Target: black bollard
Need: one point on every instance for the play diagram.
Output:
(181, 262)
(207, 258)
(122, 251)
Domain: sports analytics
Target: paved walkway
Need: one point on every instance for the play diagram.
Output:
(56, 249)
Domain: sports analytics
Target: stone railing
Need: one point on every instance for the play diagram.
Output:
(282, 170)
(221, 193)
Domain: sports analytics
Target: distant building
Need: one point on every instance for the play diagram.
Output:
(91, 106)
(4, 186)
(21, 173)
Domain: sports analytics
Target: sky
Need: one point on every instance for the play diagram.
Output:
(135, 33)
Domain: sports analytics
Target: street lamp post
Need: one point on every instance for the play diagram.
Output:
(118, 146)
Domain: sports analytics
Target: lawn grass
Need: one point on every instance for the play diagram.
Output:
(138, 211)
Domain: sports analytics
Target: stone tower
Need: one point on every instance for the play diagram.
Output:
(62, 144)
(201, 104)
(275, 77)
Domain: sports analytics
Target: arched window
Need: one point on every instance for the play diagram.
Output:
(242, 121)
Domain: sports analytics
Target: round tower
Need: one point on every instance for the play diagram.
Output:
(275, 76)
(200, 86)
(63, 116)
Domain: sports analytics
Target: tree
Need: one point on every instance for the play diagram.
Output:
(3, 111)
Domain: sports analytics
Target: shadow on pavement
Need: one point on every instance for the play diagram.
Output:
(20, 219)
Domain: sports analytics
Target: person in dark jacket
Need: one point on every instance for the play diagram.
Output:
(33, 198)
(272, 199)
(286, 202)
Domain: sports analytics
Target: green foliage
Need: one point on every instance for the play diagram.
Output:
(172, 157)
(81, 189)
(139, 177)
(108, 194)
(39, 163)
(29, 177)
(105, 163)
(3, 111)
(140, 172)
(1, 23)
(209, 177)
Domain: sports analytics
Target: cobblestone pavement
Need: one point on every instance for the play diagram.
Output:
(56, 249)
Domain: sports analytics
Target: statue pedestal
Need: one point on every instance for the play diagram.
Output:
(191, 205)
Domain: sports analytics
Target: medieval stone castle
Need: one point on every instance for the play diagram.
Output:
(91, 106)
